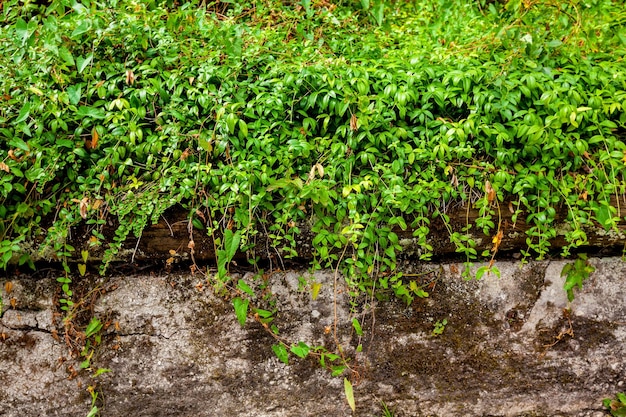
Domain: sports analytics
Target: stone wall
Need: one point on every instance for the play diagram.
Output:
(511, 346)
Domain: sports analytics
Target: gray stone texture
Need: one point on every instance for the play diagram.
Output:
(512, 346)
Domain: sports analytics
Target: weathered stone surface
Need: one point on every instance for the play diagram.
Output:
(511, 346)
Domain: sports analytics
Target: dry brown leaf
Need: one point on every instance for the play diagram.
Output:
(201, 215)
(96, 204)
(94, 139)
(320, 169)
(454, 181)
(130, 77)
(8, 287)
(497, 239)
(489, 191)
(311, 176)
(354, 122)
(4, 167)
(84, 206)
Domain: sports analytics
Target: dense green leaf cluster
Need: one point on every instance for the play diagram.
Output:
(264, 116)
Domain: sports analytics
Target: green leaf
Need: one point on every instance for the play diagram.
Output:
(481, 271)
(84, 111)
(65, 143)
(22, 31)
(205, 143)
(19, 143)
(82, 63)
(281, 353)
(82, 269)
(263, 313)
(357, 327)
(241, 285)
(81, 152)
(66, 56)
(83, 27)
(337, 370)
(377, 12)
(421, 293)
(604, 216)
(575, 274)
(24, 113)
(222, 260)
(231, 243)
(241, 310)
(93, 327)
(301, 350)
(243, 128)
(231, 120)
(100, 371)
(347, 387)
(74, 93)
(495, 271)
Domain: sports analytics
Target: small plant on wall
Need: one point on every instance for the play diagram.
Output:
(617, 405)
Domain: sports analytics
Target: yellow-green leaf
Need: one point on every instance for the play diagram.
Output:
(347, 386)
(315, 290)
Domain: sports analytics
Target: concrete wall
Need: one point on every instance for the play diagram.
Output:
(511, 346)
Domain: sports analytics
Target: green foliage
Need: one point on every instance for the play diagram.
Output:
(241, 310)
(487, 269)
(66, 303)
(92, 339)
(440, 326)
(226, 254)
(617, 406)
(386, 411)
(275, 134)
(356, 119)
(575, 273)
(281, 352)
